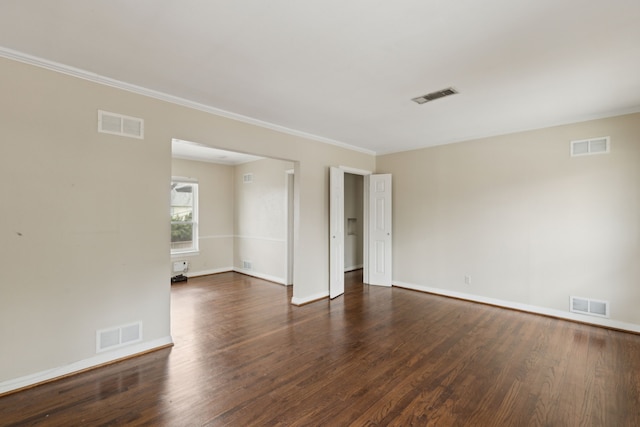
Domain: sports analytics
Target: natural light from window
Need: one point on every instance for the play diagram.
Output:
(184, 216)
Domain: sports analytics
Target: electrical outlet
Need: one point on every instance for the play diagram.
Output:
(467, 280)
(180, 266)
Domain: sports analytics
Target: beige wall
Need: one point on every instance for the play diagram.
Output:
(83, 224)
(86, 241)
(216, 215)
(239, 221)
(261, 218)
(527, 222)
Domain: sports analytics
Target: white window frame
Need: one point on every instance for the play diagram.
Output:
(194, 250)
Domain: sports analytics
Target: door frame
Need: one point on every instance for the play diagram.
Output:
(365, 214)
(366, 174)
(289, 217)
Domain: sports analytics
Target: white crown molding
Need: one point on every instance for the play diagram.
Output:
(477, 137)
(103, 80)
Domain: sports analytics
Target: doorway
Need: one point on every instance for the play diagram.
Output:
(250, 211)
(353, 222)
(377, 225)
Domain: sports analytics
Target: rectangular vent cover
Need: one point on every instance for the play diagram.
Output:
(246, 265)
(585, 147)
(589, 306)
(117, 124)
(247, 178)
(435, 95)
(119, 336)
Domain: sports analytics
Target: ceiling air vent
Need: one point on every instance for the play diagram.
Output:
(585, 147)
(117, 124)
(435, 95)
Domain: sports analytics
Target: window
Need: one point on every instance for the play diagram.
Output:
(184, 216)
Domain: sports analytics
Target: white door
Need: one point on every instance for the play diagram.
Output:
(336, 230)
(379, 230)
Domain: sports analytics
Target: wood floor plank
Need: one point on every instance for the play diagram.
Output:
(245, 356)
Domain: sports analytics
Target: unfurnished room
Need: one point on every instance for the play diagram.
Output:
(320, 213)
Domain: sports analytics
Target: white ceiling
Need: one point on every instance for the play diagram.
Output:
(193, 151)
(346, 70)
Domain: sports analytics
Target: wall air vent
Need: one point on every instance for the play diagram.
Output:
(435, 95)
(117, 124)
(119, 336)
(585, 147)
(247, 178)
(589, 306)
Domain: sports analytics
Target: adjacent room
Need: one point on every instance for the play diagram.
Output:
(244, 213)
(438, 222)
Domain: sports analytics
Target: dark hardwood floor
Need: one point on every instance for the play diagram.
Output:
(244, 355)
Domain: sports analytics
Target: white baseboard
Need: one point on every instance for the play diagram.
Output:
(208, 272)
(268, 277)
(567, 315)
(100, 359)
(275, 279)
(311, 298)
(353, 267)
